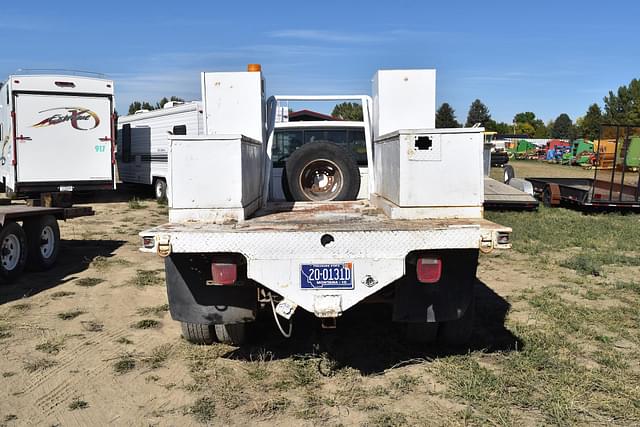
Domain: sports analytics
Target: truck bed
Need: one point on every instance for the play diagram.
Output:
(355, 216)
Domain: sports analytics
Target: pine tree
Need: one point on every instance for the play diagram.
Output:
(478, 113)
(446, 117)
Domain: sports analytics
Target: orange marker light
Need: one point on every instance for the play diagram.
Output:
(254, 67)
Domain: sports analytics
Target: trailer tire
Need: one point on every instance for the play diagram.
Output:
(43, 238)
(457, 333)
(322, 171)
(13, 251)
(197, 333)
(160, 188)
(546, 197)
(422, 332)
(231, 333)
(508, 173)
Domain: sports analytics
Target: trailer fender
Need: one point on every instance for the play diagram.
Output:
(191, 300)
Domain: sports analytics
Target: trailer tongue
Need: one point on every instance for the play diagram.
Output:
(413, 242)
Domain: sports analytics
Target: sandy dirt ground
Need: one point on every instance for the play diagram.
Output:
(91, 343)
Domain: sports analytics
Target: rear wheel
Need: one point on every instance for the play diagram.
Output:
(43, 238)
(160, 188)
(198, 333)
(232, 333)
(13, 251)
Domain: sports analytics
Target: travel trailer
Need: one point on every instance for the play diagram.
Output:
(143, 140)
(56, 134)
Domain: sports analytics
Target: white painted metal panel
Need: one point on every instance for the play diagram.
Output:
(63, 138)
(446, 172)
(234, 103)
(213, 172)
(60, 84)
(403, 99)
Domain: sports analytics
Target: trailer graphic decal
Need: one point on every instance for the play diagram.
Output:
(74, 115)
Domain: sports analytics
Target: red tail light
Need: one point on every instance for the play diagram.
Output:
(223, 273)
(429, 269)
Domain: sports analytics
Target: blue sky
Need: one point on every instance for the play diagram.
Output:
(546, 57)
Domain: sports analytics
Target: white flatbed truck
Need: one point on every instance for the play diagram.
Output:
(413, 242)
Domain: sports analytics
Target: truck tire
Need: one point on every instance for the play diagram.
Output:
(508, 173)
(322, 171)
(232, 333)
(456, 333)
(197, 333)
(422, 332)
(13, 251)
(546, 197)
(43, 238)
(160, 188)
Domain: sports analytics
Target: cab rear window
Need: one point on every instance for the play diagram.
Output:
(286, 141)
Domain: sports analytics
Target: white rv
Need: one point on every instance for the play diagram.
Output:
(143, 142)
(56, 134)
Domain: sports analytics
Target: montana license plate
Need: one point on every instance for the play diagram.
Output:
(326, 276)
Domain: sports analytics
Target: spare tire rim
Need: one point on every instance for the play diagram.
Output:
(10, 252)
(47, 242)
(321, 180)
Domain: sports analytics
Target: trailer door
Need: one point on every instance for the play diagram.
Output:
(63, 138)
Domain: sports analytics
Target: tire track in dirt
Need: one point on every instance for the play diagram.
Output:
(54, 388)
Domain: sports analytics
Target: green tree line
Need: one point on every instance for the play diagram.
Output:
(620, 107)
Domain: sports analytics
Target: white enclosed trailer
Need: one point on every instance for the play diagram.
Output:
(143, 142)
(56, 133)
(412, 240)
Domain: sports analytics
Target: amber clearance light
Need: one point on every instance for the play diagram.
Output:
(254, 67)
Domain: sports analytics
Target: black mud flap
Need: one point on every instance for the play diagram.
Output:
(192, 300)
(443, 301)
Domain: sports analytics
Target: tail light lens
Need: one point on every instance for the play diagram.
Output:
(224, 273)
(429, 269)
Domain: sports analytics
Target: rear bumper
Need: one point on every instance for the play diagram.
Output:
(47, 186)
(192, 300)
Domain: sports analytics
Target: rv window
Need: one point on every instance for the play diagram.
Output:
(126, 143)
(180, 130)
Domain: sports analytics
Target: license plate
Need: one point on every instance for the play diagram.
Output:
(326, 276)
(66, 188)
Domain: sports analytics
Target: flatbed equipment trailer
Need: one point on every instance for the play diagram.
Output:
(586, 193)
(30, 236)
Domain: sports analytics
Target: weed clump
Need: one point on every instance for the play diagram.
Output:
(68, 315)
(146, 324)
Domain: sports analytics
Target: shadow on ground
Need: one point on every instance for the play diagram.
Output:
(75, 256)
(124, 193)
(368, 341)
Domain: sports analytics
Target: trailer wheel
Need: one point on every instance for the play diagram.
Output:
(43, 238)
(197, 333)
(508, 173)
(322, 171)
(457, 333)
(160, 188)
(422, 333)
(232, 333)
(13, 251)
(546, 197)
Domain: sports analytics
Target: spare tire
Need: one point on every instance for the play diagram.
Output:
(322, 171)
